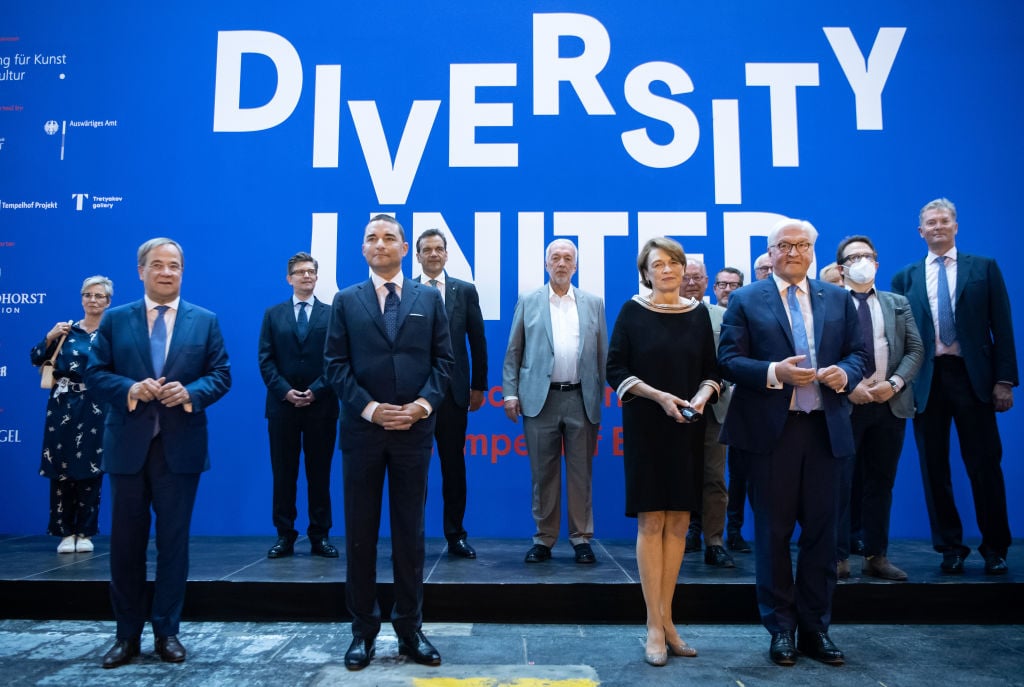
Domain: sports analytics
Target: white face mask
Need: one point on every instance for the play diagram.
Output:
(861, 272)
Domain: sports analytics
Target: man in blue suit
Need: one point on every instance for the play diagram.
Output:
(962, 308)
(389, 357)
(158, 363)
(793, 348)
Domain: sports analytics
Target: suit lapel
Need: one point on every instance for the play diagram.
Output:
(581, 308)
(817, 295)
(773, 302)
(182, 324)
(450, 296)
(964, 264)
(140, 331)
(368, 297)
(888, 317)
(410, 294)
(543, 296)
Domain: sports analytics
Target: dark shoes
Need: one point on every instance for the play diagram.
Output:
(783, 649)
(417, 647)
(736, 542)
(169, 649)
(123, 651)
(879, 566)
(538, 553)
(818, 646)
(717, 556)
(319, 546)
(995, 565)
(843, 569)
(282, 548)
(692, 541)
(952, 564)
(584, 554)
(359, 653)
(461, 548)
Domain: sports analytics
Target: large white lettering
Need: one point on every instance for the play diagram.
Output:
(867, 79)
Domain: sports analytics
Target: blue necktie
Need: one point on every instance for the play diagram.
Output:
(806, 400)
(158, 340)
(391, 302)
(303, 321)
(947, 327)
(866, 329)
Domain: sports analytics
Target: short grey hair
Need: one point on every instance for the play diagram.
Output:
(560, 242)
(156, 243)
(105, 282)
(938, 204)
(804, 225)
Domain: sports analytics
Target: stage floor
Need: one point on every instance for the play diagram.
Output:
(231, 579)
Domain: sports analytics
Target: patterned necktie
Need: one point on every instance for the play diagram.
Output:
(391, 302)
(866, 329)
(433, 282)
(806, 400)
(158, 340)
(947, 327)
(303, 321)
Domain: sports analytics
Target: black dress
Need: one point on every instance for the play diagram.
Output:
(672, 349)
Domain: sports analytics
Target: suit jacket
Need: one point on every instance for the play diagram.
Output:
(462, 305)
(364, 365)
(756, 332)
(120, 357)
(983, 324)
(721, 406)
(530, 356)
(906, 351)
(288, 362)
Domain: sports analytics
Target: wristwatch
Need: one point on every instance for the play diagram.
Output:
(895, 387)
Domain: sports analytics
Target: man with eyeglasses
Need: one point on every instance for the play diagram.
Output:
(727, 280)
(762, 267)
(710, 520)
(793, 347)
(881, 404)
(962, 306)
(301, 409)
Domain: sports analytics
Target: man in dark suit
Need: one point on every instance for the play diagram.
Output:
(465, 321)
(882, 403)
(389, 357)
(158, 363)
(962, 307)
(302, 410)
(793, 348)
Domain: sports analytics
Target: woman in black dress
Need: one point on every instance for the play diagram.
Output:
(662, 365)
(73, 433)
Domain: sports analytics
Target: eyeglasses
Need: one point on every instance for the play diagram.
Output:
(727, 285)
(856, 257)
(785, 247)
(95, 296)
(763, 269)
(693, 280)
(303, 273)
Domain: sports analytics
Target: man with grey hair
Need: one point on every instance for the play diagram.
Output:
(790, 420)
(762, 267)
(553, 376)
(962, 308)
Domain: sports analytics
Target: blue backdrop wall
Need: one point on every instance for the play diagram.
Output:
(251, 130)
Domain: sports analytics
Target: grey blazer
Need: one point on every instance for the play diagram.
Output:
(906, 350)
(721, 406)
(530, 355)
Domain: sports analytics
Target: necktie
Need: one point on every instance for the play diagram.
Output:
(158, 340)
(391, 302)
(806, 399)
(867, 331)
(303, 321)
(947, 327)
(433, 282)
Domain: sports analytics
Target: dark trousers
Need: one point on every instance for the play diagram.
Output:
(450, 434)
(293, 432)
(797, 481)
(878, 436)
(737, 494)
(952, 400)
(171, 497)
(74, 507)
(404, 456)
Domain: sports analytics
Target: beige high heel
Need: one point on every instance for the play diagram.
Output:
(682, 649)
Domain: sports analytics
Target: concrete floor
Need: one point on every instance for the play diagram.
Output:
(491, 655)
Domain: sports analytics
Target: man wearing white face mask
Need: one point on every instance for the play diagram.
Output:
(882, 405)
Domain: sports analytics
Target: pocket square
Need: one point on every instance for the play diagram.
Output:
(416, 314)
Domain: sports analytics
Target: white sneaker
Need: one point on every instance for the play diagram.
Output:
(83, 545)
(67, 545)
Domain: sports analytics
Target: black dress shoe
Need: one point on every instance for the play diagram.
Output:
(359, 653)
(783, 649)
(460, 547)
(584, 554)
(123, 651)
(283, 547)
(952, 564)
(319, 546)
(818, 646)
(995, 565)
(538, 553)
(717, 556)
(169, 649)
(692, 541)
(736, 542)
(857, 546)
(417, 647)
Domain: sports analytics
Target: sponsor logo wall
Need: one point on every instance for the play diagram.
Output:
(252, 130)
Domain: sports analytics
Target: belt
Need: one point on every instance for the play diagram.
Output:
(565, 386)
(804, 413)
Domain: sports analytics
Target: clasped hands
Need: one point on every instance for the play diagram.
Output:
(672, 404)
(390, 416)
(300, 399)
(170, 394)
(789, 372)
